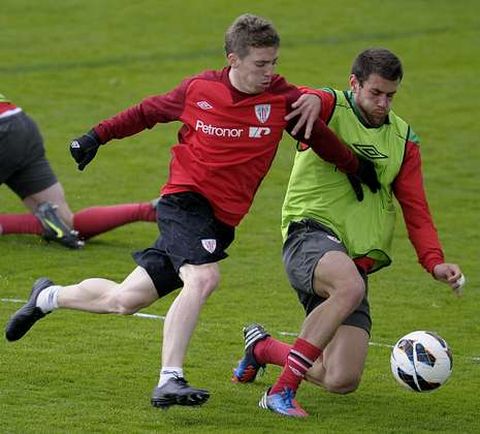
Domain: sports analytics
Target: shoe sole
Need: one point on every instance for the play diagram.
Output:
(264, 404)
(190, 400)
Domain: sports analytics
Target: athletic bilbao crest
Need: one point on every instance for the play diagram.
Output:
(209, 245)
(262, 111)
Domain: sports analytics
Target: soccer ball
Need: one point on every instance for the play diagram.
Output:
(421, 361)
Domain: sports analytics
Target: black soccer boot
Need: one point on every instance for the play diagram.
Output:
(54, 229)
(176, 391)
(24, 318)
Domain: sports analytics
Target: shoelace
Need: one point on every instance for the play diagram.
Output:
(288, 397)
(180, 380)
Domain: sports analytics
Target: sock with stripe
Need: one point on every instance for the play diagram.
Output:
(299, 360)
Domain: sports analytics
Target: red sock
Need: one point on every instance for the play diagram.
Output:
(97, 220)
(300, 359)
(271, 351)
(20, 224)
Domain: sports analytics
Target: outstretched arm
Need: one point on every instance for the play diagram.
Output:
(410, 193)
(152, 110)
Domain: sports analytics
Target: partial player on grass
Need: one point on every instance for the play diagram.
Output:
(232, 123)
(25, 169)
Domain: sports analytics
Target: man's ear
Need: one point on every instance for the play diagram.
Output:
(354, 83)
(233, 60)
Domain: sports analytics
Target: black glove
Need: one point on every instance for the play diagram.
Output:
(84, 148)
(365, 173)
(356, 185)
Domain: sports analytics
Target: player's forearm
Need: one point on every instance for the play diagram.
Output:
(410, 193)
(151, 111)
(124, 124)
(328, 146)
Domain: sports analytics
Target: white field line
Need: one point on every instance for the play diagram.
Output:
(475, 359)
(374, 344)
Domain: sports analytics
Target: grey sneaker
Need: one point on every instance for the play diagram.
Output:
(24, 318)
(54, 229)
(176, 391)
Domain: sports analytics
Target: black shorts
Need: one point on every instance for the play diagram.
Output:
(307, 241)
(189, 234)
(23, 165)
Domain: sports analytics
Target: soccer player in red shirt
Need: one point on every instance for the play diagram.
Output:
(233, 120)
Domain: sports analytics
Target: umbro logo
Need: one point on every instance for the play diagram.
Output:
(369, 151)
(204, 105)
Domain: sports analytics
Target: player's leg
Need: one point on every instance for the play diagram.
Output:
(35, 183)
(340, 368)
(91, 295)
(337, 279)
(191, 235)
(55, 195)
(51, 217)
(52, 210)
(199, 282)
(105, 296)
(182, 316)
(92, 221)
(316, 264)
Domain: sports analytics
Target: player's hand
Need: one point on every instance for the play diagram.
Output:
(451, 275)
(307, 107)
(84, 149)
(365, 174)
(356, 185)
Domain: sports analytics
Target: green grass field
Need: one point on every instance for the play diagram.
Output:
(70, 64)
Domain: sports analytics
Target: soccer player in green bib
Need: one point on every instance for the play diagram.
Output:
(334, 236)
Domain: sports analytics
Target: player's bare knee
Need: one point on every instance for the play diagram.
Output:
(207, 284)
(204, 280)
(341, 385)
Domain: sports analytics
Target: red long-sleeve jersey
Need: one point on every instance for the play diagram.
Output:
(228, 138)
(409, 190)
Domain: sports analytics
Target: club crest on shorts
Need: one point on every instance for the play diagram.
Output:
(262, 111)
(209, 245)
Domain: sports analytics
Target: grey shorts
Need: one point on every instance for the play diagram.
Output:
(307, 241)
(23, 165)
